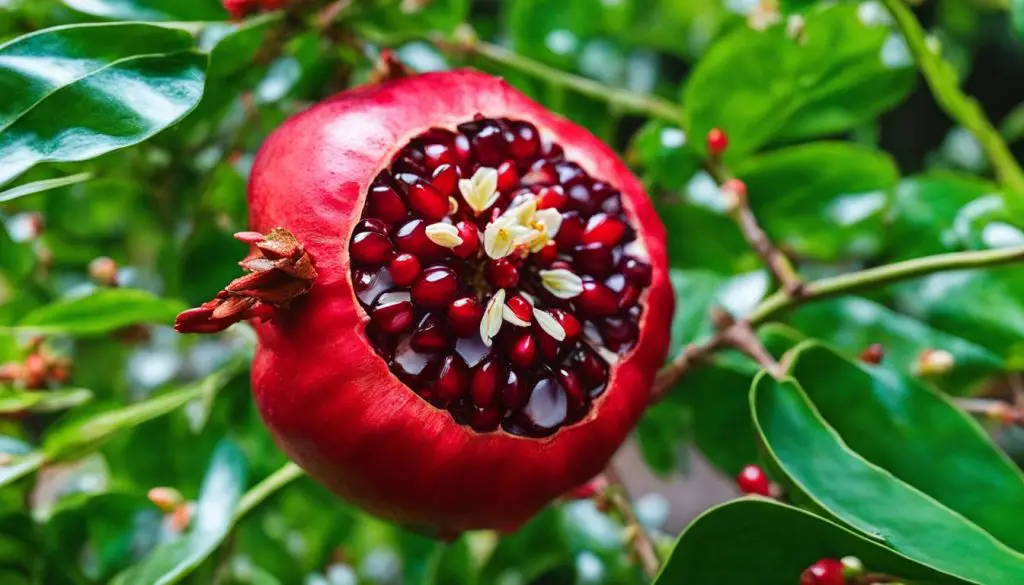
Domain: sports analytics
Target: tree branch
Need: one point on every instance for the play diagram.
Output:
(962, 108)
(773, 258)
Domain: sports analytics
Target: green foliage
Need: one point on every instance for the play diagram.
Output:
(148, 114)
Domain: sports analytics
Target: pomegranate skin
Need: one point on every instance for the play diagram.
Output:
(331, 402)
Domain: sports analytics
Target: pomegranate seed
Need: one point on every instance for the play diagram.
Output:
(445, 179)
(411, 238)
(571, 384)
(463, 152)
(568, 322)
(452, 379)
(618, 333)
(513, 393)
(508, 178)
(597, 300)
(551, 150)
(524, 141)
(523, 351)
(546, 255)
(485, 419)
(717, 141)
(412, 367)
(571, 231)
(612, 205)
(371, 225)
(582, 200)
(547, 407)
(489, 144)
(484, 387)
(520, 307)
(602, 229)
(636, 271)
(551, 198)
(431, 335)
(404, 268)
(371, 248)
(410, 162)
(369, 284)
(629, 297)
(824, 572)
(541, 172)
(470, 240)
(547, 345)
(437, 154)
(464, 316)
(569, 173)
(592, 369)
(753, 480)
(384, 203)
(435, 287)
(502, 273)
(426, 200)
(393, 317)
(594, 259)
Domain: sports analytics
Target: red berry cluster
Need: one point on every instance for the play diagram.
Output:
(39, 370)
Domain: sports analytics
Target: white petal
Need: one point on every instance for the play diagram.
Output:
(524, 212)
(498, 240)
(549, 325)
(491, 322)
(562, 283)
(444, 234)
(551, 220)
(481, 190)
(514, 319)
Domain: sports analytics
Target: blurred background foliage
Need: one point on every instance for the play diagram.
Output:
(850, 162)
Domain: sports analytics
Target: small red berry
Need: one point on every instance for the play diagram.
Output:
(824, 572)
(717, 141)
(753, 480)
(873, 354)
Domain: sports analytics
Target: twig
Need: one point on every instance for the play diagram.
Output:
(643, 547)
(740, 335)
(992, 409)
(941, 77)
(773, 258)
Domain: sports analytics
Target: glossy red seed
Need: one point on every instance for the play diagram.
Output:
(524, 141)
(371, 225)
(596, 300)
(470, 245)
(513, 393)
(618, 333)
(463, 152)
(717, 141)
(404, 268)
(629, 296)
(435, 287)
(581, 200)
(551, 150)
(571, 384)
(452, 379)
(547, 346)
(520, 307)
(602, 229)
(594, 259)
(547, 407)
(487, 377)
(445, 179)
(411, 238)
(523, 351)
(569, 173)
(636, 271)
(371, 248)
(489, 144)
(393, 317)
(592, 369)
(485, 419)
(571, 231)
(384, 203)
(546, 255)
(437, 154)
(569, 323)
(426, 200)
(551, 197)
(753, 480)
(824, 572)
(541, 172)
(502, 273)
(464, 316)
(412, 367)
(431, 335)
(508, 178)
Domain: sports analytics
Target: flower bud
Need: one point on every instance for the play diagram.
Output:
(934, 362)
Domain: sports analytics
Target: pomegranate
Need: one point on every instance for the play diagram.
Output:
(491, 300)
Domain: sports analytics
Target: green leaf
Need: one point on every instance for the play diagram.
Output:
(16, 259)
(22, 466)
(166, 10)
(214, 516)
(44, 185)
(76, 101)
(101, 312)
(665, 159)
(538, 548)
(722, 247)
(454, 564)
(852, 324)
(83, 432)
(1017, 17)
(825, 200)
(12, 400)
(762, 86)
(389, 16)
(755, 541)
(817, 461)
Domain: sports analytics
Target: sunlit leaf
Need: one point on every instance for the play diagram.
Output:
(101, 312)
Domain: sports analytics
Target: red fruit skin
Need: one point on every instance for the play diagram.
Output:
(824, 572)
(332, 404)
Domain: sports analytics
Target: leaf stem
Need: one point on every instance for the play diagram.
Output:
(286, 474)
(964, 109)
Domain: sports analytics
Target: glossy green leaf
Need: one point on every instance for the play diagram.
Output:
(77, 101)
(13, 400)
(454, 564)
(82, 432)
(392, 17)
(755, 541)
(169, 10)
(538, 548)
(44, 185)
(817, 461)
(916, 434)
(101, 312)
(213, 518)
(722, 247)
(20, 467)
(16, 258)
(852, 324)
(1017, 17)
(825, 200)
(663, 156)
(763, 86)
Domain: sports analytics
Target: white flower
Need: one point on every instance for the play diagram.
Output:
(500, 237)
(481, 190)
(562, 283)
(444, 234)
(549, 325)
(493, 314)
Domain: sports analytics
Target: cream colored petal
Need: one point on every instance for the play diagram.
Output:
(514, 319)
(498, 240)
(453, 206)
(551, 220)
(481, 190)
(549, 325)
(524, 212)
(490, 325)
(562, 283)
(444, 234)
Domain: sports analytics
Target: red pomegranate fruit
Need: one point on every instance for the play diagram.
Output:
(459, 362)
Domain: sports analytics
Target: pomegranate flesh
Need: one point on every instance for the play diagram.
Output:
(491, 307)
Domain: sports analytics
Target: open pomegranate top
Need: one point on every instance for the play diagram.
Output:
(501, 279)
